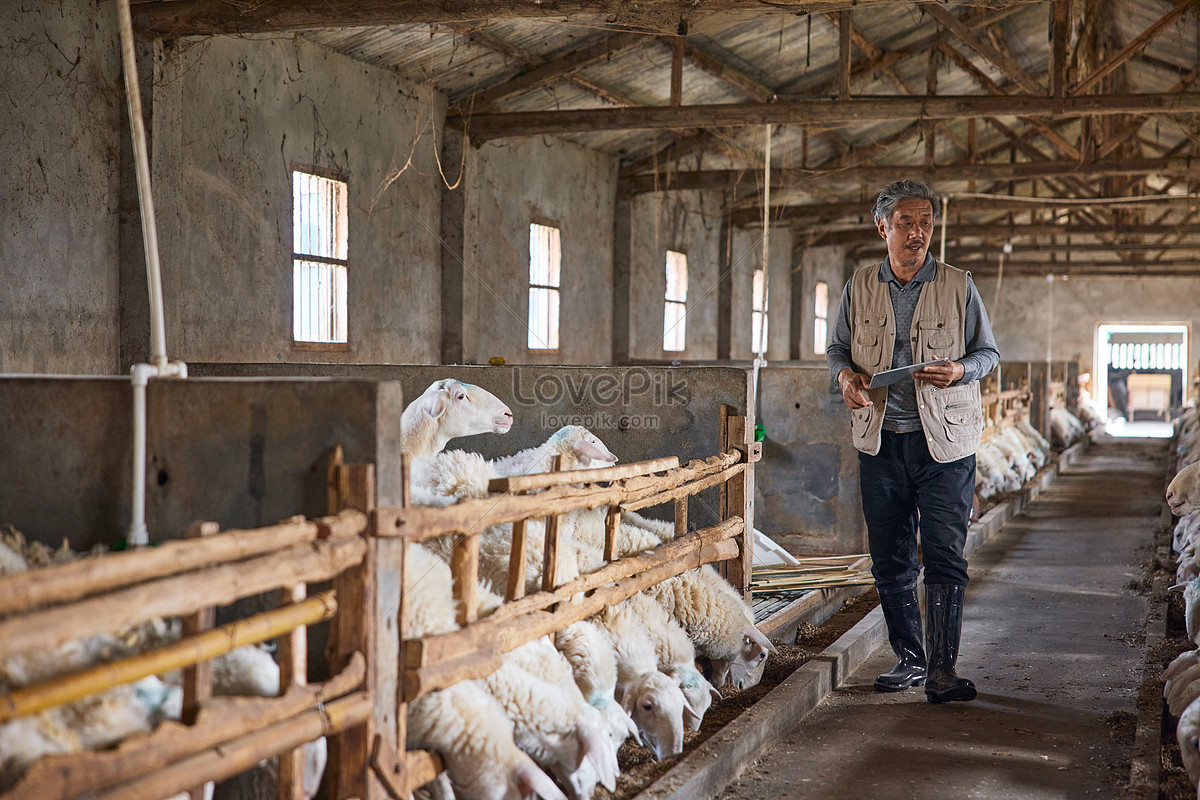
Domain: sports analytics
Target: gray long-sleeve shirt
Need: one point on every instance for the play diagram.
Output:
(980, 354)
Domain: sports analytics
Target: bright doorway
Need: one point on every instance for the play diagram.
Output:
(1140, 377)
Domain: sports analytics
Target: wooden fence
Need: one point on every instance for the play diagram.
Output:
(377, 669)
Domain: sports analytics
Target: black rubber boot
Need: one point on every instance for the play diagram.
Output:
(902, 613)
(943, 626)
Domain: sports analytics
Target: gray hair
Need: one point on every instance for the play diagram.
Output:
(896, 191)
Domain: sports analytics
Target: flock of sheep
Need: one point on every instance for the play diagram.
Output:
(1014, 455)
(560, 706)
(1182, 676)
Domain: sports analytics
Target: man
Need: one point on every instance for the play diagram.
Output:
(916, 438)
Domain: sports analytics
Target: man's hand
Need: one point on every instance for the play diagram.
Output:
(941, 374)
(853, 385)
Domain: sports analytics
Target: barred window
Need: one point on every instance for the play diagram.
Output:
(319, 259)
(675, 313)
(821, 317)
(545, 263)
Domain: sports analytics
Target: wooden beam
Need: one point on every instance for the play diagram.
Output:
(1138, 42)
(210, 17)
(677, 71)
(553, 71)
(1026, 170)
(1004, 62)
(824, 110)
(845, 24)
(1060, 34)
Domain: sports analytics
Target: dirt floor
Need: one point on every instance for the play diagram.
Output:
(639, 769)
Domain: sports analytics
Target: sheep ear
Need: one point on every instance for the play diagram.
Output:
(532, 783)
(720, 671)
(760, 639)
(716, 694)
(593, 450)
(436, 405)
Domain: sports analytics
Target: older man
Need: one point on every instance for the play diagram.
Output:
(916, 438)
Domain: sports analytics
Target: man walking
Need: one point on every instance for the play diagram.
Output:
(917, 437)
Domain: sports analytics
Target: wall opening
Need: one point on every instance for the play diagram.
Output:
(1140, 377)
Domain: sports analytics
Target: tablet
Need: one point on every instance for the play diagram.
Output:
(890, 376)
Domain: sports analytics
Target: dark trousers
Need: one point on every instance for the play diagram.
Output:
(901, 485)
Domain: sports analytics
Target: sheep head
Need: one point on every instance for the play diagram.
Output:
(745, 669)
(698, 693)
(581, 449)
(596, 761)
(1183, 494)
(449, 409)
(656, 704)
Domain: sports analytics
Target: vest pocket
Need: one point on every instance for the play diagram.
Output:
(860, 420)
(867, 348)
(937, 334)
(963, 421)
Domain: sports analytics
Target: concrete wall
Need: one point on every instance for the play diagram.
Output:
(746, 258)
(507, 186)
(687, 222)
(232, 117)
(638, 412)
(826, 264)
(807, 496)
(263, 455)
(1021, 317)
(59, 135)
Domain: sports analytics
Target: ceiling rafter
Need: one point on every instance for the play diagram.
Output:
(1135, 44)
(1001, 59)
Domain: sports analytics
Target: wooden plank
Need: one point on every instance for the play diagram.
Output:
(516, 563)
(421, 766)
(182, 594)
(551, 541)
(482, 645)
(740, 494)
(681, 516)
(420, 523)
(845, 26)
(68, 776)
(541, 480)
(83, 577)
(352, 636)
(687, 490)
(1060, 35)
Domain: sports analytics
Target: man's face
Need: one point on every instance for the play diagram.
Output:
(908, 233)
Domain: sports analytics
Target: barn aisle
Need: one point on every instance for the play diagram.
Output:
(1053, 638)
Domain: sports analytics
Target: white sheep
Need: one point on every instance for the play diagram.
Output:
(653, 700)
(447, 410)
(463, 722)
(589, 653)
(719, 623)
(675, 653)
(1187, 733)
(1065, 427)
(551, 720)
(1183, 493)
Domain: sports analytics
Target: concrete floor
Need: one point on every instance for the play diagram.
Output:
(1052, 636)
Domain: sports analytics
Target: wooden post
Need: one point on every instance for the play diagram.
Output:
(612, 525)
(681, 516)
(677, 71)
(464, 567)
(293, 671)
(845, 29)
(550, 563)
(737, 499)
(516, 563)
(197, 679)
(353, 630)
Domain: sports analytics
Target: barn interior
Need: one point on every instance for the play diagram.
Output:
(637, 217)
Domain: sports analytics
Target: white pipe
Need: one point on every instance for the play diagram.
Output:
(945, 204)
(141, 160)
(759, 346)
(140, 374)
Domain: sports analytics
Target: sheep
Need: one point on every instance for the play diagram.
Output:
(1065, 427)
(676, 655)
(551, 720)
(463, 722)
(1183, 493)
(1187, 733)
(589, 653)
(653, 700)
(718, 621)
(447, 410)
(1180, 690)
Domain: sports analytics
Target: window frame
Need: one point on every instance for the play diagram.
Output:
(761, 314)
(299, 345)
(556, 289)
(668, 302)
(820, 319)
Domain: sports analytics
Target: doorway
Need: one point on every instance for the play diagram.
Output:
(1140, 377)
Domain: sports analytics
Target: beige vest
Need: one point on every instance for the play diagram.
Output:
(952, 417)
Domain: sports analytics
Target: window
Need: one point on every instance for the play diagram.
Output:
(821, 317)
(759, 324)
(319, 245)
(675, 314)
(545, 259)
